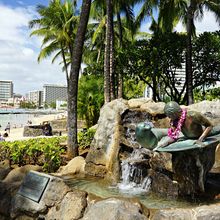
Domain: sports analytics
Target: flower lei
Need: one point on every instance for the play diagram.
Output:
(174, 133)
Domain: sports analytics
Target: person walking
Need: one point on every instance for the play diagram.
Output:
(8, 127)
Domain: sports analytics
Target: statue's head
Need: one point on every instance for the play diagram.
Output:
(172, 110)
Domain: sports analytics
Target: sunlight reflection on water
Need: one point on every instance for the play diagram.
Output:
(102, 189)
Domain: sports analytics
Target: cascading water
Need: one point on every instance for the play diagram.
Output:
(134, 174)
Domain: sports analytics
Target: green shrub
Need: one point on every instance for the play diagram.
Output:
(85, 138)
(45, 152)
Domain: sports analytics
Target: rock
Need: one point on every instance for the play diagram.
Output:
(198, 213)
(137, 103)
(19, 173)
(116, 128)
(71, 207)
(76, 165)
(191, 168)
(216, 165)
(116, 209)
(153, 108)
(5, 168)
(163, 184)
(212, 107)
(56, 191)
(177, 214)
(53, 195)
(7, 191)
(102, 157)
(32, 130)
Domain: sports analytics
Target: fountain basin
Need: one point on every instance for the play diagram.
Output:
(101, 188)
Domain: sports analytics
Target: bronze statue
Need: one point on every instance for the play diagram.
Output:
(189, 130)
(193, 125)
(185, 124)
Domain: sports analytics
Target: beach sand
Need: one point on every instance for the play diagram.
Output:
(17, 133)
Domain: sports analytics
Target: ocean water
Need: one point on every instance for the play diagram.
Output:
(16, 120)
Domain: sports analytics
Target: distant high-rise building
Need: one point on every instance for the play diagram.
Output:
(36, 97)
(52, 93)
(6, 90)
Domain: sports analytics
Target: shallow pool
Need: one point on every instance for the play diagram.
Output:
(100, 188)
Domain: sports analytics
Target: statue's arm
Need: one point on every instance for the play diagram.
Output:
(205, 133)
(164, 142)
(202, 120)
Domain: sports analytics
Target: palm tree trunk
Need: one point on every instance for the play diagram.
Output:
(112, 67)
(120, 76)
(189, 74)
(107, 73)
(73, 79)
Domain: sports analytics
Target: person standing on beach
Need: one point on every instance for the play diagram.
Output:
(1, 138)
(8, 127)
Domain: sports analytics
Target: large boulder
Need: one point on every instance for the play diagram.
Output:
(71, 207)
(10, 185)
(116, 209)
(116, 132)
(75, 166)
(102, 158)
(197, 213)
(54, 193)
(18, 174)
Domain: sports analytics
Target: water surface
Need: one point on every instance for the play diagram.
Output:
(150, 200)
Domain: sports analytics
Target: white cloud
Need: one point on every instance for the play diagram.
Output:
(208, 23)
(19, 52)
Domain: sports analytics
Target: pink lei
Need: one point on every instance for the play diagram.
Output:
(174, 132)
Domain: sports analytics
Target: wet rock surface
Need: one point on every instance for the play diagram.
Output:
(191, 169)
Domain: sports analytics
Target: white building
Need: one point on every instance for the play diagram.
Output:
(36, 97)
(6, 90)
(15, 100)
(52, 93)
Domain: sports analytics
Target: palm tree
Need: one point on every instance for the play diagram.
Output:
(188, 11)
(74, 77)
(109, 52)
(103, 11)
(57, 26)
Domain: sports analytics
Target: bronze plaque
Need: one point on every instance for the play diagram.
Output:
(33, 186)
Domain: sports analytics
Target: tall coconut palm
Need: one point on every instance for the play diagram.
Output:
(123, 6)
(109, 8)
(57, 26)
(109, 52)
(74, 77)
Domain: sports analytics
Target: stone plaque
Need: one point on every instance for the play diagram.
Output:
(33, 186)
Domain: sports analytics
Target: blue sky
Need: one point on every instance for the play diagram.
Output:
(16, 3)
(19, 51)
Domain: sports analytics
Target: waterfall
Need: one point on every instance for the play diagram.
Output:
(134, 173)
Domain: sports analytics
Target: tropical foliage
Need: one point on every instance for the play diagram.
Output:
(85, 138)
(90, 98)
(187, 11)
(45, 152)
(116, 54)
(64, 32)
